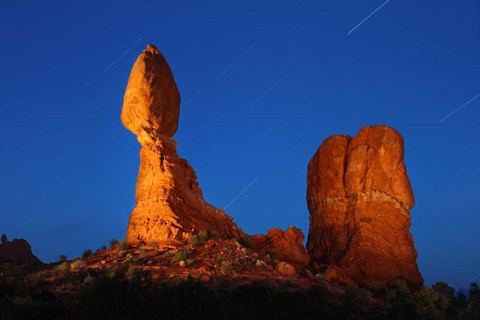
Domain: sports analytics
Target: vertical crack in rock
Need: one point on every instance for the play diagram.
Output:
(359, 197)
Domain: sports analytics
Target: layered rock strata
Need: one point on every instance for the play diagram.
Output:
(359, 198)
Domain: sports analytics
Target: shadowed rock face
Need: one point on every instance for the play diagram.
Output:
(359, 198)
(170, 206)
(287, 246)
(17, 251)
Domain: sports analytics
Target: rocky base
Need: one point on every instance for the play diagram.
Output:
(210, 279)
(170, 206)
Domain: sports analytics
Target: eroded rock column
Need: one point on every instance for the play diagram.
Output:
(359, 197)
(170, 206)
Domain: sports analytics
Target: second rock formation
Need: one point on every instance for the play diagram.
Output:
(359, 198)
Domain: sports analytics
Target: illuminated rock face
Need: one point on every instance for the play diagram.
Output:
(359, 197)
(170, 206)
(152, 102)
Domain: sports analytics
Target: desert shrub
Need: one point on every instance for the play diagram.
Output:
(214, 235)
(63, 268)
(113, 243)
(459, 306)
(272, 255)
(261, 264)
(446, 295)
(190, 262)
(167, 254)
(62, 258)
(123, 245)
(182, 254)
(473, 309)
(427, 303)
(77, 265)
(226, 267)
(133, 261)
(247, 243)
(142, 253)
(111, 273)
(68, 286)
(133, 273)
(401, 300)
(199, 238)
(87, 253)
(356, 301)
(88, 280)
(123, 299)
(220, 259)
(38, 307)
(7, 286)
(11, 269)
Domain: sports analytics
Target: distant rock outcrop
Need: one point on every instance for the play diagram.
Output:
(170, 206)
(359, 197)
(286, 246)
(17, 251)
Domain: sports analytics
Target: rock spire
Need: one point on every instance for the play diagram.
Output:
(359, 197)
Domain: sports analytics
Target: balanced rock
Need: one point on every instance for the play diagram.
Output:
(359, 197)
(152, 102)
(169, 203)
(286, 246)
(17, 251)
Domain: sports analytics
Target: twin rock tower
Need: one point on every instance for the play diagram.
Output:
(358, 192)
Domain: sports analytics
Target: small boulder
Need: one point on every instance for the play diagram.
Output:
(336, 274)
(287, 269)
(309, 274)
(286, 246)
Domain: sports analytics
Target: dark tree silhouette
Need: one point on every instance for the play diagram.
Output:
(4, 238)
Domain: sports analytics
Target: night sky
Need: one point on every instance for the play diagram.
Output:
(263, 83)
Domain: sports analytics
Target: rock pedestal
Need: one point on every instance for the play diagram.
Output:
(170, 206)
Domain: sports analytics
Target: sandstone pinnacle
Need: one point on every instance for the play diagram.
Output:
(359, 197)
(169, 203)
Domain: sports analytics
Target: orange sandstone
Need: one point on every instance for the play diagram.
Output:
(286, 246)
(170, 206)
(359, 197)
(151, 103)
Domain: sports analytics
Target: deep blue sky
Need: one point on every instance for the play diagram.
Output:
(263, 83)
